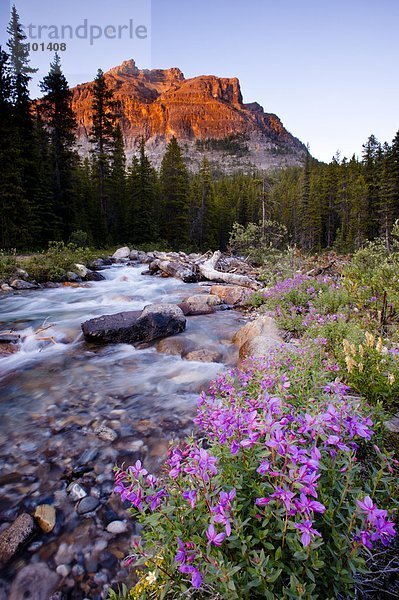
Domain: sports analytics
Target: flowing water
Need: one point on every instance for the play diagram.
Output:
(57, 389)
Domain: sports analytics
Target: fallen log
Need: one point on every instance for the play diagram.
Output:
(209, 271)
(174, 269)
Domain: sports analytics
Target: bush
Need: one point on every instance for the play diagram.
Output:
(258, 241)
(373, 370)
(271, 502)
(8, 264)
(52, 264)
(78, 238)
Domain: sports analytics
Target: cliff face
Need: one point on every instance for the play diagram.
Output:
(200, 112)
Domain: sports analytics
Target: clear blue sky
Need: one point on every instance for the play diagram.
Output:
(329, 69)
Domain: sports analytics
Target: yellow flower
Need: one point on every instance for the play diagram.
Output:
(391, 378)
(369, 339)
(350, 363)
(361, 350)
(379, 344)
(151, 577)
(360, 367)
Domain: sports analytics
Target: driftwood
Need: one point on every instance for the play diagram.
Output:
(209, 271)
(174, 269)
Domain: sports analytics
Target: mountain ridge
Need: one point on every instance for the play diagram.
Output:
(200, 112)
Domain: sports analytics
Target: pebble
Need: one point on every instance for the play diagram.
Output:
(63, 570)
(76, 491)
(15, 536)
(117, 527)
(106, 433)
(45, 515)
(87, 504)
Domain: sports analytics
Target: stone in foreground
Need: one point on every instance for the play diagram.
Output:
(35, 581)
(121, 253)
(112, 329)
(154, 322)
(231, 294)
(15, 536)
(45, 515)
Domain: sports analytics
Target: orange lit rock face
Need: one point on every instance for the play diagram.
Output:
(158, 104)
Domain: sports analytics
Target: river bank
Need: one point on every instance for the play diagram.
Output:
(73, 410)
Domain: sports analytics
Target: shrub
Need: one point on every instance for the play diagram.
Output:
(78, 238)
(272, 501)
(258, 241)
(373, 370)
(8, 264)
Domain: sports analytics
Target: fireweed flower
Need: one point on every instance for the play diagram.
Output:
(137, 469)
(213, 537)
(307, 532)
(306, 505)
(191, 496)
(196, 577)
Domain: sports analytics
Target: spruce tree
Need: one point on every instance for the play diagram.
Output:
(143, 215)
(117, 188)
(175, 197)
(56, 109)
(102, 139)
(14, 207)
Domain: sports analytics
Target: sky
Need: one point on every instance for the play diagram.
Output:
(328, 69)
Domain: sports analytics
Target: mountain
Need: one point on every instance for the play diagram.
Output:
(206, 114)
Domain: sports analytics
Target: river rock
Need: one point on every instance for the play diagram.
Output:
(121, 253)
(45, 516)
(134, 255)
(112, 329)
(87, 504)
(257, 338)
(231, 294)
(20, 284)
(15, 536)
(97, 264)
(117, 527)
(21, 273)
(9, 338)
(80, 270)
(106, 433)
(35, 582)
(94, 276)
(176, 346)
(5, 287)
(155, 321)
(160, 320)
(73, 277)
(76, 491)
(203, 355)
(200, 304)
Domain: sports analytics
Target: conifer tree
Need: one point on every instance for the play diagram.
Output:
(143, 199)
(102, 138)
(117, 187)
(56, 109)
(175, 196)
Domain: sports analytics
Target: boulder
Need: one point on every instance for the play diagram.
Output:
(155, 321)
(134, 255)
(9, 338)
(20, 284)
(200, 304)
(121, 253)
(35, 582)
(203, 355)
(99, 263)
(257, 338)
(160, 320)
(231, 294)
(176, 346)
(73, 277)
(15, 537)
(21, 273)
(94, 276)
(5, 287)
(80, 270)
(112, 329)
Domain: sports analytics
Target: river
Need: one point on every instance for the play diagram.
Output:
(57, 389)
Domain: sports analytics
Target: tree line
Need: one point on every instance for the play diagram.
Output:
(48, 192)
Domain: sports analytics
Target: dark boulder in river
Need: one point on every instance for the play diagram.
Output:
(154, 322)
